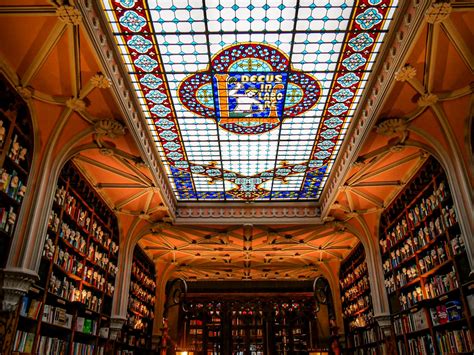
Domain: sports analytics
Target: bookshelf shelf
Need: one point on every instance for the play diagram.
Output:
(16, 148)
(263, 325)
(76, 273)
(138, 328)
(360, 329)
(424, 264)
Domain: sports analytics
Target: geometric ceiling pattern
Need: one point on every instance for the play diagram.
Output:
(248, 100)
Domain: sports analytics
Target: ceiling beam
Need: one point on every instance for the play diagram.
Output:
(134, 169)
(130, 199)
(106, 185)
(369, 197)
(392, 165)
(463, 49)
(53, 38)
(430, 56)
(109, 168)
(378, 183)
(28, 10)
(378, 155)
(75, 59)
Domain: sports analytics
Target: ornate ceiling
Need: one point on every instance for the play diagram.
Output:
(248, 100)
(51, 54)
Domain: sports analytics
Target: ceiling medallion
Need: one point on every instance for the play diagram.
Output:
(249, 90)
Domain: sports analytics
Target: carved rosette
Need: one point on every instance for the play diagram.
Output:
(15, 283)
(116, 325)
(100, 81)
(76, 104)
(405, 73)
(392, 126)
(427, 100)
(69, 15)
(109, 128)
(25, 92)
(438, 12)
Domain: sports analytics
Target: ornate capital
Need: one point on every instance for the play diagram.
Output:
(69, 15)
(25, 92)
(438, 12)
(116, 325)
(392, 126)
(76, 104)
(109, 128)
(15, 283)
(405, 73)
(427, 100)
(385, 323)
(100, 81)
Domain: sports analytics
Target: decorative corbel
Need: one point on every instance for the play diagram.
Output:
(15, 283)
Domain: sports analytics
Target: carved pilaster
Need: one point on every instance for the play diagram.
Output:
(116, 325)
(384, 322)
(15, 283)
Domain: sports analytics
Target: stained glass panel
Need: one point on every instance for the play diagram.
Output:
(248, 100)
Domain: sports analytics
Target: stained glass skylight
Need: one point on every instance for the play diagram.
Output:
(248, 99)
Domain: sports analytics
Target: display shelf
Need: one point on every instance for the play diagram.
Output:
(263, 325)
(16, 147)
(359, 325)
(423, 259)
(141, 302)
(75, 272)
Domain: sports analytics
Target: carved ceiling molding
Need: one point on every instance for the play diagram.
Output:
(121, 87)
(236, 215)
(411, 16)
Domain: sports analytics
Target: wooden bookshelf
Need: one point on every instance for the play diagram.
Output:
(68, 310)
(259, 326)
(16, 148)
(361, 332)
(426, 268)
(137, 331)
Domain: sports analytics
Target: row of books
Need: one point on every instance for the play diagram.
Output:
(23, 342)
(421, 345)
(444, 313)
(364, 337)
(454, 341)
(7, 219)
(87, 326)
(30, 307)
(49, 345)
(57, 316)
(82, 349)
(410, 322)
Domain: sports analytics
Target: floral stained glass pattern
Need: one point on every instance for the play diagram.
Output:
(248, 100)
